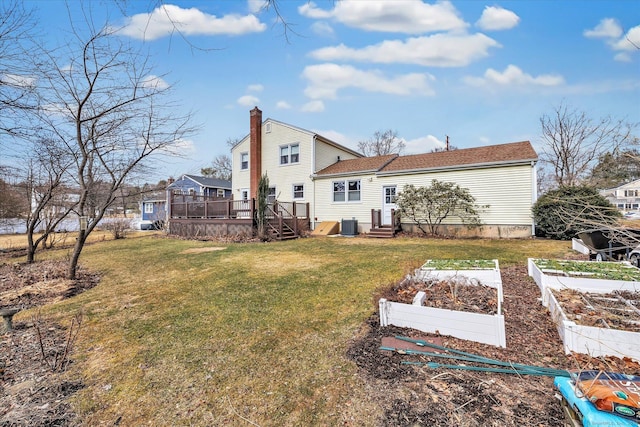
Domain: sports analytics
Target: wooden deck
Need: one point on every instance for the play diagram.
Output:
(198, 216)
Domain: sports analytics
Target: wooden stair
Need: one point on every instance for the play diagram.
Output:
(382, 232)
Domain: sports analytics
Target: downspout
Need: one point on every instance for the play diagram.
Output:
(312, 211)
(534, 194)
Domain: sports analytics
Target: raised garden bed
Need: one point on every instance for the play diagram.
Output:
(584, 276)
(598, 324)
(460, 298)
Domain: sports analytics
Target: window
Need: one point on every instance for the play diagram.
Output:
(290, 154)
(630, 193)
(148, 208)
(220, 192)
(298, 191)
(271, 195)
(245, 194)
(346, 190)
(244, 160)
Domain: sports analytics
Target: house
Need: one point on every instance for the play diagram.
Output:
(194, 185)
(188, 187)
(154, 212)
(626, 197)
(339, 183)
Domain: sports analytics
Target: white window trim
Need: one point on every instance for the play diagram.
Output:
(293, 191)
(242, 154)
(288, 147)
(148, 207)
(346, 191)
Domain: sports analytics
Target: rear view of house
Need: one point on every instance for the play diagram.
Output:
(338, 183)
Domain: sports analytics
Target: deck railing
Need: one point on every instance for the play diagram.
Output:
(201, 207)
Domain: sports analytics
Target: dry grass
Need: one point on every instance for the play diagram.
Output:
(178, 333)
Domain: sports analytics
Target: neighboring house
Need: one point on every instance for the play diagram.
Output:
(195, 185)
(192, 187)
(154, 212)
(626, 197)
(339, 183)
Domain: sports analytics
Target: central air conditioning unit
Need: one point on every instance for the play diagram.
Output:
(349, 227)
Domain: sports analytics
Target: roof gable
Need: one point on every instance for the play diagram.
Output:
(309, 133)
(494, 155)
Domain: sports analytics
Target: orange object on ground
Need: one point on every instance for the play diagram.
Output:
(611, 391)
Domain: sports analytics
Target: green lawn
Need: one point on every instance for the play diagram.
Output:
(247, 334)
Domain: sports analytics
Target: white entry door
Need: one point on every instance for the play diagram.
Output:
(388, 203)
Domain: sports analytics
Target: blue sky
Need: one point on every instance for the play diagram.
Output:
(481, 72)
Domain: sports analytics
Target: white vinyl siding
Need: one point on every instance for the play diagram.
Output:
(240, 177)
(327, 155)
(508, 191)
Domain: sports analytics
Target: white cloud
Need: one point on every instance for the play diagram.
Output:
(283, 105)
(622, 57)
(630, 41)
(495, 18)
(608, 28)
(248, 100)
(322, 29)
(611, 31)
(423, 144)
(16, 80)
(336, 136)
(255, 88)
(325, 80)
(514, 76)
(439, 50)
(168, 19)
(403, 16)
(256, 6)
(313, 107)
(154, 82)
(180, 147)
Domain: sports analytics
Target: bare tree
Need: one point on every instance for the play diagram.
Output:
(17, 27)
(573, 142)
(49, 201)
(220, 168)
(382, 143)
(110, 113)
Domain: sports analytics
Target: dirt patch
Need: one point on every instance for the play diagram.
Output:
(34, 387)
(416, 395)
(618, 310)
(201, 250)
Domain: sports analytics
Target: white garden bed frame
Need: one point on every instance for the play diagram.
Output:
(590, 339)
(581, 284)
(483, 328)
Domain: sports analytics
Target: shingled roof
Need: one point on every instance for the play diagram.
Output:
(516, 152)
(363, 164)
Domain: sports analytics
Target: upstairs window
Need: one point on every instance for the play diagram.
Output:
(346, 191)
(630, 193)
(289, 154)
(244, 160)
